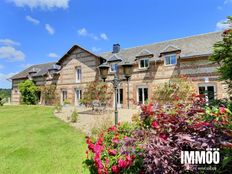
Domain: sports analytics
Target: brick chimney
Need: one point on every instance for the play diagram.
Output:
(116, 48)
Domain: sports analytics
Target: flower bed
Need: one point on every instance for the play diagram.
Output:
(154, 143)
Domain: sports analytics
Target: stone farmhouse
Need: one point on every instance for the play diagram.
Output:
(152, 64)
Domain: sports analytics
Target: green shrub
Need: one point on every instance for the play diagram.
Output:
(74, 116)
(29, 92)
(58, 108)
(99, 91)
(66, 102)
(2, 101)
(178, 88)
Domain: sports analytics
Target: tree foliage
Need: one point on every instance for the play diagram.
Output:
(48, 93)
(29, 92)
(178, 88)
(5, 93)
(223, 55)
(96, 91)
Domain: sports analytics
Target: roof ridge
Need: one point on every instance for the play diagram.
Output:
(42, 64)
(159, 42)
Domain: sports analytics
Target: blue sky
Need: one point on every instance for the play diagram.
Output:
(40, 31)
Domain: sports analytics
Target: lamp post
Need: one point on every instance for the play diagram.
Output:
(127, 70)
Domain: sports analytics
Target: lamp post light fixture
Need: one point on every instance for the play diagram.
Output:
(127, 71)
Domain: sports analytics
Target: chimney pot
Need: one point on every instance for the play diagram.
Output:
(116, 48)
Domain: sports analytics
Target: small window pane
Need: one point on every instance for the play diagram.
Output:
(210, 90)
(146, 62)
(167, 59)
(145, 94)
(114, 67)
(142, 63)
(173, 60)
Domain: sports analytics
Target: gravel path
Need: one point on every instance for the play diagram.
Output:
(87, 119)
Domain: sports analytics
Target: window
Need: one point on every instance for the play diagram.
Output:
(64, 95)
(114, 67)
(208, 91)
(78, 96)
(119, 97)
(144, 63)
(170, 60)
(78, 75)
(142, 95)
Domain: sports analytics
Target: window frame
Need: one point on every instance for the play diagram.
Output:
(169, 55)
(143, 59)
(206, 85)
(115, 64)
(78, 76)
(143, 96)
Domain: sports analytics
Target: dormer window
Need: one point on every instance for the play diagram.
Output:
(144, 63)
(170, 59)
(114, 67)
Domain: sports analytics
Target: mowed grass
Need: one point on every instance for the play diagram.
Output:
(33, 140)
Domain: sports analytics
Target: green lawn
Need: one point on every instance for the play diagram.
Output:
(32, 140)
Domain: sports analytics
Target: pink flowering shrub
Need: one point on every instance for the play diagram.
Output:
(115, 151)
(154, 145)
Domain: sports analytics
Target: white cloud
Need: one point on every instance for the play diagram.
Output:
(221, 25)
(1, 66)
(4, 82)
(227, 1)
(84, 33)
(43, 4)
(25, 65)
(53, 55)
(49, 29)
(32, 20)
(103, 36)
(95, 49)
(9, 42)
(11, 54)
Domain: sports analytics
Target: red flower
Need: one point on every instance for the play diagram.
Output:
(147, 109)
(155, 124)
(129, 160)
(163, 136)
(112, 129)
(115, 169)
(91, 147)
(122, 163)
(201, 124)
(107, 161)
(115, 140)
(222, 110)
(112, 152)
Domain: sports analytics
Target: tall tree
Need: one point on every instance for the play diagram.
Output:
(223, 54)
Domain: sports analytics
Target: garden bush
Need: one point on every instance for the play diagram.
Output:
(29, 92)
(178, 88)
(155, 144)
(74, 116)
(99, 91)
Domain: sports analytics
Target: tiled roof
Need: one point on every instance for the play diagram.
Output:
(190, 46)
(40, 70)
